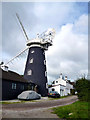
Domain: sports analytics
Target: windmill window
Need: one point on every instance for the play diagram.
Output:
(56, 81)
(29, 72)
(44, 53)
(32, 51)
(47, 85)
(31, 60)
(45, 73)
(44, 62)
(13, 85)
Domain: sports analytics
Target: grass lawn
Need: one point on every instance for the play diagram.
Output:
(78, 109)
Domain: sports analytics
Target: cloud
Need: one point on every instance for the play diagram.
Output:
(48, 12)
(12, 33)
(81, 26)
(69, 53)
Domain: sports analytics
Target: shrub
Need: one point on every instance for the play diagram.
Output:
(82, 88)
(72, 91)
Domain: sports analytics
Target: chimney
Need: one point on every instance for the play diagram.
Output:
(66, 78)
(61, 75)
(5, 68)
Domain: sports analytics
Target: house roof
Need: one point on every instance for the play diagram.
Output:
(72, 83)
(10, 75)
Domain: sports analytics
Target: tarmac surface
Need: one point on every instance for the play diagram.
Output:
(38, 109)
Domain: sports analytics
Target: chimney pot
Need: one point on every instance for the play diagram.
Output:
(61, 75)
(66, 78)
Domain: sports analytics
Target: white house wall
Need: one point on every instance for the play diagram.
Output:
(67, 91)
(62, 90)
(56, 88)
(60, 81)
(61, 86)
(68, 87)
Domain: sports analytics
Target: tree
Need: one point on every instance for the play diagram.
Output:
(82, 88)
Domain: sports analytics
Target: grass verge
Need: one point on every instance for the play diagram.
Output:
(78, 109)
(23, 101)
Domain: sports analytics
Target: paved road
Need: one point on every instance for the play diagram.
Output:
(35, 109)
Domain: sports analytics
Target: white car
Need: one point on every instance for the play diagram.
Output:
(29, 95)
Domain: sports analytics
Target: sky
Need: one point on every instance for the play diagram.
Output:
(68, 54)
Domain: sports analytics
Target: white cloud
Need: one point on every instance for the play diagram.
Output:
(69, 53)
(81, 25)
(52, 14)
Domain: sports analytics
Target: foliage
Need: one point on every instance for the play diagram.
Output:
(72, 91)
(76, 110)
(82, 88)
(49, 86)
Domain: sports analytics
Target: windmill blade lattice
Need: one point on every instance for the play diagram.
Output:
(10, 61)
(47, 35)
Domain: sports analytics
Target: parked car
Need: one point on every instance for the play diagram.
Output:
(53, 94)
(29, 95)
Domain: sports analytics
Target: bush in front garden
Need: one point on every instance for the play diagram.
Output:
(83, 89)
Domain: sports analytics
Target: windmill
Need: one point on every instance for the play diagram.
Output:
(35, 69)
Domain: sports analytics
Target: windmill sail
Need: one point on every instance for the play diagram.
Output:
(35, 68)
(22, 26)
(10, 61)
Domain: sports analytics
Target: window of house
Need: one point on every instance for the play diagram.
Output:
(53, 89)
(45, 73)
(32, 87)
(29, 72)
(32, 51)
(31, 60)
(13, 85)
(22, 87)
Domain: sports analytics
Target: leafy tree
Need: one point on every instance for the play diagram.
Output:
(82, 88)
(49, 85)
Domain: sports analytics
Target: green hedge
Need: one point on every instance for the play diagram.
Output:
(83, 89)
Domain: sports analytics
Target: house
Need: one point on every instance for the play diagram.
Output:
(61, 85)
(13, 84)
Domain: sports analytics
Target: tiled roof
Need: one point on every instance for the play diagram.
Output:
(10, 75)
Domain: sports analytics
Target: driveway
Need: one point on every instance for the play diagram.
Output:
(40, 109)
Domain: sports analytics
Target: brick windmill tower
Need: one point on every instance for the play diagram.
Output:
(35, 69)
